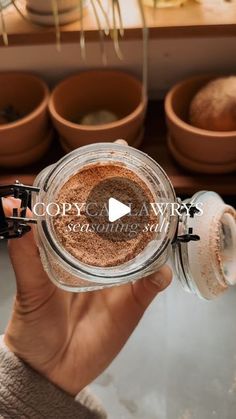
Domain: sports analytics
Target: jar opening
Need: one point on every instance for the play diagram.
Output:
(155, 179)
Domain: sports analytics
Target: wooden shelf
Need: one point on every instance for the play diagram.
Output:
(154, 144)
(213, 18)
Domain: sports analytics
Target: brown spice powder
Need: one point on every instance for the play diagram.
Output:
(96, 249)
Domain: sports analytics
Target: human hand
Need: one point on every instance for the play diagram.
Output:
(71, 338)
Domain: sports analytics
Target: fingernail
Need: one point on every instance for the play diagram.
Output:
(121, 142)
(7, 201)
(158, 279)
(10, 202)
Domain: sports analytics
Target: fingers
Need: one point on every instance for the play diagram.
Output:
(126, 304)
(147, 288)
(121, 142)
(30, 276)
(9, 204)
(26, 243)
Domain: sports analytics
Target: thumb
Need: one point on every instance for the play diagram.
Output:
(30, 275)
(147, 288)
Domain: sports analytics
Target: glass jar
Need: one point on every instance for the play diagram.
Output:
(205, 267)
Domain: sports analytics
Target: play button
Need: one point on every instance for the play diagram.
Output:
(116, 206)
(117, 210)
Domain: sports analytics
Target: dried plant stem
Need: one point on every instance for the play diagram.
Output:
(115, 33)
(57, 23)
(121, 30)
(14, 3)
(101, 33)
(4, 31)
(145, 49)
(107, 27)
(82, 33)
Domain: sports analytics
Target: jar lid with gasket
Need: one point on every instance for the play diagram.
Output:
(207, 267)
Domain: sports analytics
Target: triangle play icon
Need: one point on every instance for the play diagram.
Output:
(117, 209)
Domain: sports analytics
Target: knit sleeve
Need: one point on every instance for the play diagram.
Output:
(24, 394)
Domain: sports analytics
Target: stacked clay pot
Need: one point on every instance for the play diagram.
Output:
(26, 138)
(41, 11)
(196, 149)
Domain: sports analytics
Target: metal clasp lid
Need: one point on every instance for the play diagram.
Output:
(189, 236)
(17, 225)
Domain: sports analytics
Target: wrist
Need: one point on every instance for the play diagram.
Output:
(25, 392)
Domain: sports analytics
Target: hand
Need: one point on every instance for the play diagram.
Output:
(71, 338)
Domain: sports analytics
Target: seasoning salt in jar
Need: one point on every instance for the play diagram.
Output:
(107, 214)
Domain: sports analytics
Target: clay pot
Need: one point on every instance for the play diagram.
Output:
(194, 148)
(115, 91)
(28, 96)
(27, 157)
(40, 11)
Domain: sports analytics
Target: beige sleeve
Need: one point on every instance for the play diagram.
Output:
(24, 394)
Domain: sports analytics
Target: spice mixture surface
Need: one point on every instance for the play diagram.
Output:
(89, 236)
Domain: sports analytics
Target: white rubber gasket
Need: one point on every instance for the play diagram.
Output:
(207, 260)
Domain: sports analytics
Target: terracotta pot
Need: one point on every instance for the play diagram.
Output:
(41, 12)
(90, 91)
(28, 96)
(27, 157)
(194, 144)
